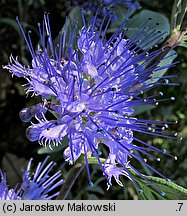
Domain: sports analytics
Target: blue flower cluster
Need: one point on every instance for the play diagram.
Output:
(92, 90)
(35, 186)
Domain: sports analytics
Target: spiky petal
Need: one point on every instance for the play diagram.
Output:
(38, 185)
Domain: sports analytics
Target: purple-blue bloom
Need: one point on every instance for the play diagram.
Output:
(5, 192)
(38, 185)
(92, 91)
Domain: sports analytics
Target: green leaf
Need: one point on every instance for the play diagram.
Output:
(138, 20)
(36, 3)
(183, 42)
(120, 12)
(13, 23)
(21, 8)
(75, 15)
(10, 22)
(184, 38)
(168, 59)
(175, 11)
(178, 13)
(73, 23)
(172, 191)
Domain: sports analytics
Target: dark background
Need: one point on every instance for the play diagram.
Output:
(15, 148)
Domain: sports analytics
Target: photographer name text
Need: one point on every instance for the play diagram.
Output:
(47, 207)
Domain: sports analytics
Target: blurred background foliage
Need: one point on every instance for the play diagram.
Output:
(15, 148)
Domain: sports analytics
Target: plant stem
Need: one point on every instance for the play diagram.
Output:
(72, 176)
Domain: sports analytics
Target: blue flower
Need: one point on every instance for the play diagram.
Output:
(5, 192)
(93, 89)
(27, 114)
(38, 185)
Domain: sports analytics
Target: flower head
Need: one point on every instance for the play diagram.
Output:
(35, 186)
(93, 90)
(5, 193)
